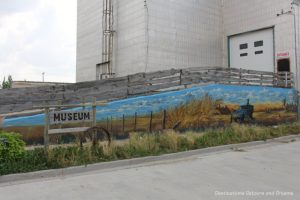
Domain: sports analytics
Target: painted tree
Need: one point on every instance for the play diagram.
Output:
(7, 83)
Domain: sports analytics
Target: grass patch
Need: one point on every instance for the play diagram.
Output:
(140, 145)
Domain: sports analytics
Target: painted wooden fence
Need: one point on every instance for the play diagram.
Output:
(26, 99)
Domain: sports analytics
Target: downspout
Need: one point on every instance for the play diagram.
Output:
(224, 38)
(296, 47)
(146, 35)
(296, 3)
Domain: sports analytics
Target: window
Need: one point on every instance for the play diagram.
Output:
(259, 43)
(259, 52)
(244, 54)
(244, 46)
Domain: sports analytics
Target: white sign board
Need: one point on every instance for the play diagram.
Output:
(65, 117)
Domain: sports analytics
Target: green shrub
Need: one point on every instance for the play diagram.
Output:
(168, 142)
(61, 157)
(32, 160)
(143, 145)
(123, 152)
(183, 143)
(15, 160)
(11, 146)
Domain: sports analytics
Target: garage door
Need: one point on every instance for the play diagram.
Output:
(253, 50)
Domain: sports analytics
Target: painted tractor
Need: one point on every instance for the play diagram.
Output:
(244, 113)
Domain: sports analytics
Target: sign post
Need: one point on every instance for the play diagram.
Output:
(94, 112)
(46, 130)
(1, 121)
(94, 119)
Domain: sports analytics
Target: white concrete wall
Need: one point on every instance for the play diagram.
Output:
(167, 34)
(242, 16)
(184, 34)
(180, 34)
(129, 38)
(89, 39)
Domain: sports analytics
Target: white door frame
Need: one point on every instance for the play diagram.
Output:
(252, 31)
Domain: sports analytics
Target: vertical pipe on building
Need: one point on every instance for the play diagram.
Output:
(298, 27)
(107, 37)
(223, 35)
(296, 3)
(103, 32)
(296, 52)
(298, 95)
(111, 36)
(146, 35)
(296, 46)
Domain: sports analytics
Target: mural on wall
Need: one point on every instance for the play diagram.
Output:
(197, 106)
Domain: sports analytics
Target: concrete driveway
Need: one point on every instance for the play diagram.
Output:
(270, 171)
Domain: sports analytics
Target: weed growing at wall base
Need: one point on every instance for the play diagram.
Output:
(140, 145)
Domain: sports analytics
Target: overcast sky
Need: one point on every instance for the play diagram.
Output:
(38, 36)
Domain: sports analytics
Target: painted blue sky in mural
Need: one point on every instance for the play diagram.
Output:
(143, 105)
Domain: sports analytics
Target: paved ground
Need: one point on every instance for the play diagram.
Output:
(264, 172)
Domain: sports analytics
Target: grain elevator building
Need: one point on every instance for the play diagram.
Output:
(121, 37)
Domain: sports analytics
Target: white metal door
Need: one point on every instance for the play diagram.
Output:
(254, 50)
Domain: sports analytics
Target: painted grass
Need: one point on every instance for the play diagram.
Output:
(195, 114)
(34, 135)
(140, 145)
